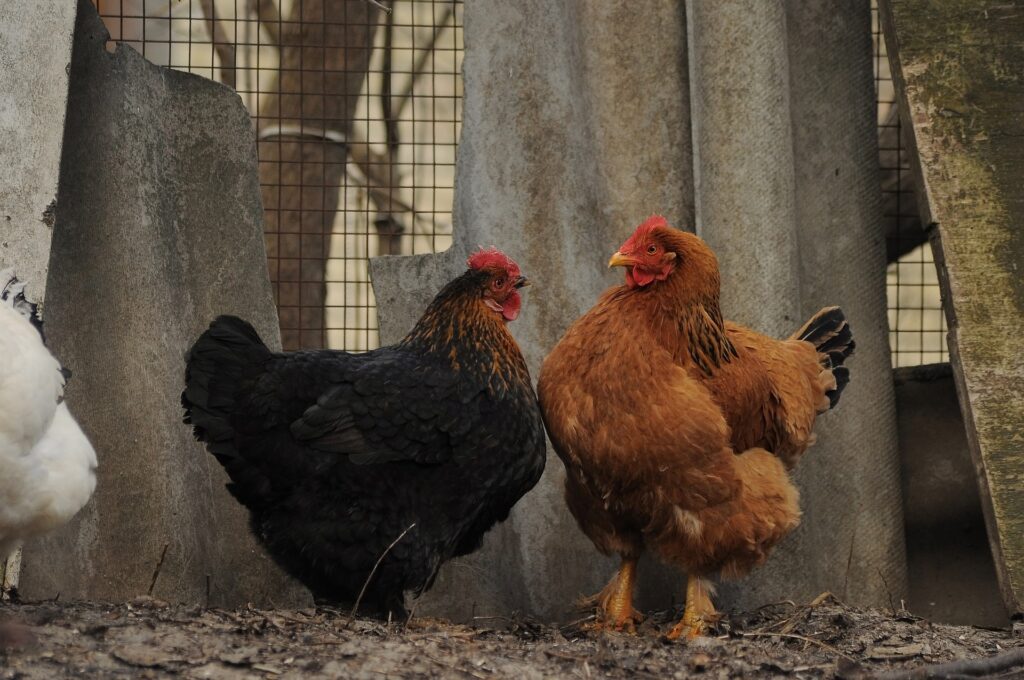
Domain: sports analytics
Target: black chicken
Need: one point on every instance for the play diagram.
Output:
(408, 453)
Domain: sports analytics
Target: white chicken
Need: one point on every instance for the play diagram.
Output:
(47, 465)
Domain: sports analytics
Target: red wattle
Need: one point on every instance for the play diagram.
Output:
(642, 277)
(510, 310)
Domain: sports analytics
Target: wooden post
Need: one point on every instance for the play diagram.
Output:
(958, 66)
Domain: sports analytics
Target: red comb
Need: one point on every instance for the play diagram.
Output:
(648, 225)
(652, 222)
(492, 256)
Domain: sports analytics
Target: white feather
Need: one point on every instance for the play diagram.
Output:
(47, 465)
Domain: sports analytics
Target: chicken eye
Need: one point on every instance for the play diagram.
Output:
(652, 249)
(499, 282)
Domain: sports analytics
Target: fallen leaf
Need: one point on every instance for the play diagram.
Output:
(144, 656)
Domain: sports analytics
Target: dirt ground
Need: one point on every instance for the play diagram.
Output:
(150, 639)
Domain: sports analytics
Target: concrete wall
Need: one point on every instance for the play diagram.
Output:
(565, 146)
(787, 192)
(35, 50)
(577, 127)
(158, 229)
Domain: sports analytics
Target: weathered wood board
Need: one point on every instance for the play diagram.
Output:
(959, 72)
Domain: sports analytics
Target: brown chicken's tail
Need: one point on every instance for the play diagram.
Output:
(830, 334)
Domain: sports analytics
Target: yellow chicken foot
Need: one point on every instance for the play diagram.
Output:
(615, 602)
(700, 611)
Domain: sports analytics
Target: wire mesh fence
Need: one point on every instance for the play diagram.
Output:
(917, 325)
(358, 111)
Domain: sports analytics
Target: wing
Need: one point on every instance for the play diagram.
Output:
(31, 384)
(395, 407)
(788, 392)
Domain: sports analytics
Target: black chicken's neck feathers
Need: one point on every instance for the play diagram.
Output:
(463, 331)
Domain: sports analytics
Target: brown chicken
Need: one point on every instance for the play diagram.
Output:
(677, 428)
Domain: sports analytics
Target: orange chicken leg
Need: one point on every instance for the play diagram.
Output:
(616, 601)
(700, 611)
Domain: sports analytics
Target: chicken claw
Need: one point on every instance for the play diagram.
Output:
(700, 611)
(615, 602)
(691, 629)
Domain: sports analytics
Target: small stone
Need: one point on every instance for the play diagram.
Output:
(698, 662)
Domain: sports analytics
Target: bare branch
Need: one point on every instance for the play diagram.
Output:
(224, 48)
(376, 173)
(421, 60)
(380, 5)
(270, 19)
(389, 227)
(964, 668)
(390, 120)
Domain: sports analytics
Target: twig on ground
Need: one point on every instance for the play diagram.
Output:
(794, 636)
(970, 667)
(566, 657)
(156, 572)
(453, 667)
(792, 604)
(958, 669)
(366, 584)
(787, 624)
(804, 613)
(849, 561)
(892, 606)
(572, 626)
(820, 599)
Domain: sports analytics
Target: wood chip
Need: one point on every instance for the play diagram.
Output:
(893, 653)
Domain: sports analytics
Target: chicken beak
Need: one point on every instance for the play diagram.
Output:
(521, 281)
(620, 260)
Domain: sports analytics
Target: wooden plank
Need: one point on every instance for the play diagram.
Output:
(958, 66)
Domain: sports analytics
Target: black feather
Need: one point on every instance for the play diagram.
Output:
(831, 335)
(842, 374)
(336, 454)
(821, 325)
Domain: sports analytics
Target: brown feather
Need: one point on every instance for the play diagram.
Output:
(675, 427)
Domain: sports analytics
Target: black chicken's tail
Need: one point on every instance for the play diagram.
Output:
(830, 333)
(220, 369)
